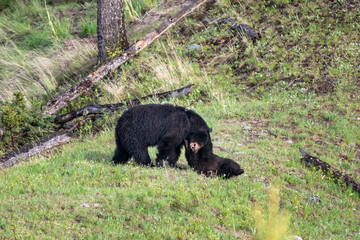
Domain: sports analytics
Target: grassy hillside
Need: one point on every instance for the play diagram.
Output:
(298, 86)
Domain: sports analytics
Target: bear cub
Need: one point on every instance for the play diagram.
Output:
(161, 125)
(200, 156)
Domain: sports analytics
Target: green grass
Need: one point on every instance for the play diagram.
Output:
(88, 28)
(44, 197)
(296, 87)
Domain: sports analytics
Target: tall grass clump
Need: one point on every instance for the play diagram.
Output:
(134, 8)
(24, 23)
(62, 27)
(88, 28)
(36, 53)
(274, 224)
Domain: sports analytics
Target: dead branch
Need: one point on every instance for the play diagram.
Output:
(43, 86)
(56, 104)
(107, 108)
(327, 168)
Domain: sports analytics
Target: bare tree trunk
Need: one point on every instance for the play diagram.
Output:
(111, 30)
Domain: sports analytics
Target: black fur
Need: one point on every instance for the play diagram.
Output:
(165, 126)
(206, 162)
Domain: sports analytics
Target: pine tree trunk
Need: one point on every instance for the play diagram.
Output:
(111, 30)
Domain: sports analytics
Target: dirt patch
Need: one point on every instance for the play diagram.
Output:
(346, 4)
(74, 43)
(251, 130)
(238, 234)
(324, 85)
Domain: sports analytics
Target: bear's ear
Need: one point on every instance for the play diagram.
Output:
(210, 130)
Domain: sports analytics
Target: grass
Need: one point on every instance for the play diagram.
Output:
(296, 87)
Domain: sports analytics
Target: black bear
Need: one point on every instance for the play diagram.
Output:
(200, 156)
(161, 125)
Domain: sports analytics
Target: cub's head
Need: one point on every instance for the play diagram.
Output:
(195, 141)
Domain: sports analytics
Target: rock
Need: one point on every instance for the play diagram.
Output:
(193, 47)
(315, 198)
(242, 28)
(90, 204)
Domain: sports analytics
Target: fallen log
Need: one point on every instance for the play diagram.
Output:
(29, 150)
(46, 143)
(107, 108)
(327, 168)
(61, 101)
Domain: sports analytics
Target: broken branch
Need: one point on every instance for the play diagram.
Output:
(46, 143)
(107, 108)
(327, 168)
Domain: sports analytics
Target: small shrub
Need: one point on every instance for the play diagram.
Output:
(21, 124)
(4, 4)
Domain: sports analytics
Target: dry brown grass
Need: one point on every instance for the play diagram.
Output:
(19, 69)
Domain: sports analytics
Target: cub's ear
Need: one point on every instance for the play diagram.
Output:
(210, 130)
(186, 143)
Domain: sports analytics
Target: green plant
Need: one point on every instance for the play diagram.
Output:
(62, 28)
(20, 123)
(88, 28)
(275, 224)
